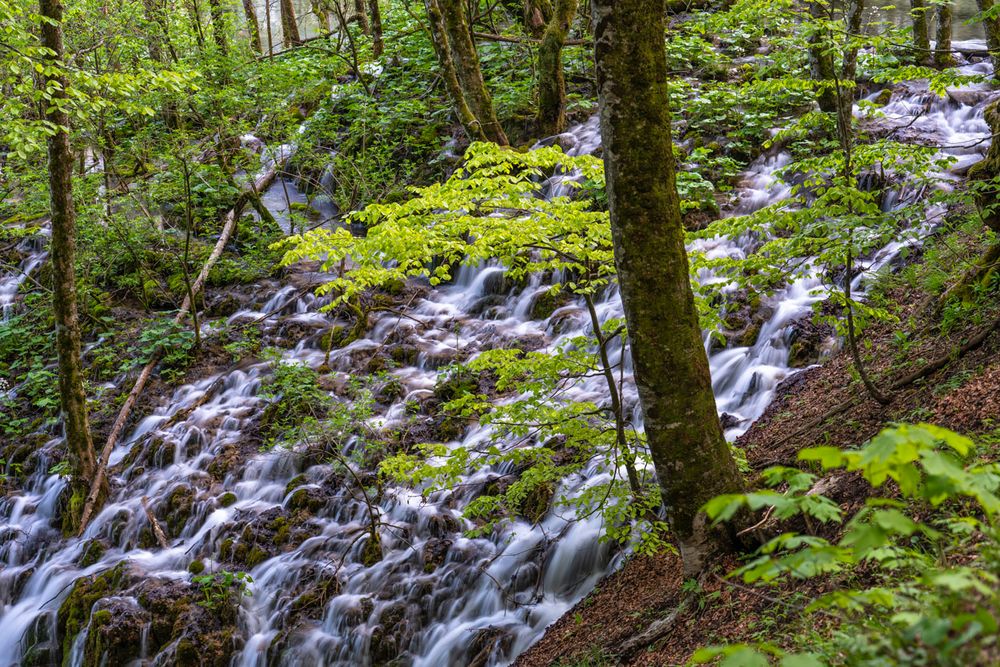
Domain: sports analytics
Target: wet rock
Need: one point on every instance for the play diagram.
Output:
(809, 342)
(546, 303)
(729, 421)
(434, 553)
(115, 631)
(488, 646)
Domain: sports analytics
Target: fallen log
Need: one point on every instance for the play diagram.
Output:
(260, 183)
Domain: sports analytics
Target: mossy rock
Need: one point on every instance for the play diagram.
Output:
(227, 499)
(535, 504)
(74, 612)
(545, 304)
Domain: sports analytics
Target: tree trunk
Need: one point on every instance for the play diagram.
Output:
(289, 25)
(821, 60)
(921, 33)
(440, 39)
(253, 26)
(551, 81)
(943, 56)
(362, 16)
(322, 12)
(73, 400)
(992, 27)
(378, 45)
(536, 16)
(691, 456)
(218, 19)
(470, 75)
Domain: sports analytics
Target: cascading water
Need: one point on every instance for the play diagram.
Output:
(436, 597)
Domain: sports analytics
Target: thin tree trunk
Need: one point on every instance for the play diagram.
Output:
(551, 81)
(195, 12)
(921, 33)
(470, 75)
(440, 39)
(691, 456)
(322, 13)
(289, 25)
(73, 399)
(943, 56)
(375, 13)
(992, 27)
(253, 26)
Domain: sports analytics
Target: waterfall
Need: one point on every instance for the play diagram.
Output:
(437, 597)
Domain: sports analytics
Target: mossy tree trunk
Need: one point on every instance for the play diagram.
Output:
(821, 58)
(537, 14)
(468, 70)
(943, 56)
(551, 81)
(375, 14)
(992, 28)
(253, 26)
(289, 25)
(691, 456)
(921, 32)
(73, 400)
(440, 39)
(361, 15)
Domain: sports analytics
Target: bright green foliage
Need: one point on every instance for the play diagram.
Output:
(221, 588)
(932, 584)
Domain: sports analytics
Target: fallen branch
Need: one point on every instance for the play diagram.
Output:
(161, 537)
(656, 630)
(490, 37)
(229, 226)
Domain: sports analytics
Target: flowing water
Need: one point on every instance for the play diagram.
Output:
(437, 597)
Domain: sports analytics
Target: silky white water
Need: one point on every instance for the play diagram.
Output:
(489, 597)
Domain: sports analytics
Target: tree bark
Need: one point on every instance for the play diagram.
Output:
(921, 33)
(375, 13)
(992, 28)
(440, 39)
(362, 16)
(943, 56)
(289, 25)
(821, 60)
(691, 456)
(467, 68)
(536, 16)
(551, 81)
(253, 26)
(73, 399)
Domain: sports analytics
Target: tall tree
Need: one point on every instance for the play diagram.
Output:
(991, 24)
(440, 40)
(73, 400)
(375, 13)
(691, 456)
(551, 80)
(821, 56)
(921, 32)
(467, 68)
(253, 26)
(942, 49)
(289, 25)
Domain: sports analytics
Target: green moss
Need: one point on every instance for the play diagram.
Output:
(227, 499)
(74, 612)
(196, 567)
(255, 557)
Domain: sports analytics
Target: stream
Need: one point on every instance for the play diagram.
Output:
(436, 597)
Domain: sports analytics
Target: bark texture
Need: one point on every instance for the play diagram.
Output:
(467, 68)
(440, 39)
(821, 60)
(375, 13)
(943, 56)
(992, 27)
(73, 400)
(921, 32)
(218, 18)
(289, 25)
(536, 16)
(253, 26)
(691, 456)
(551, 81)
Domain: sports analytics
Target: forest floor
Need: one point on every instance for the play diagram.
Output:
(822, 405)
